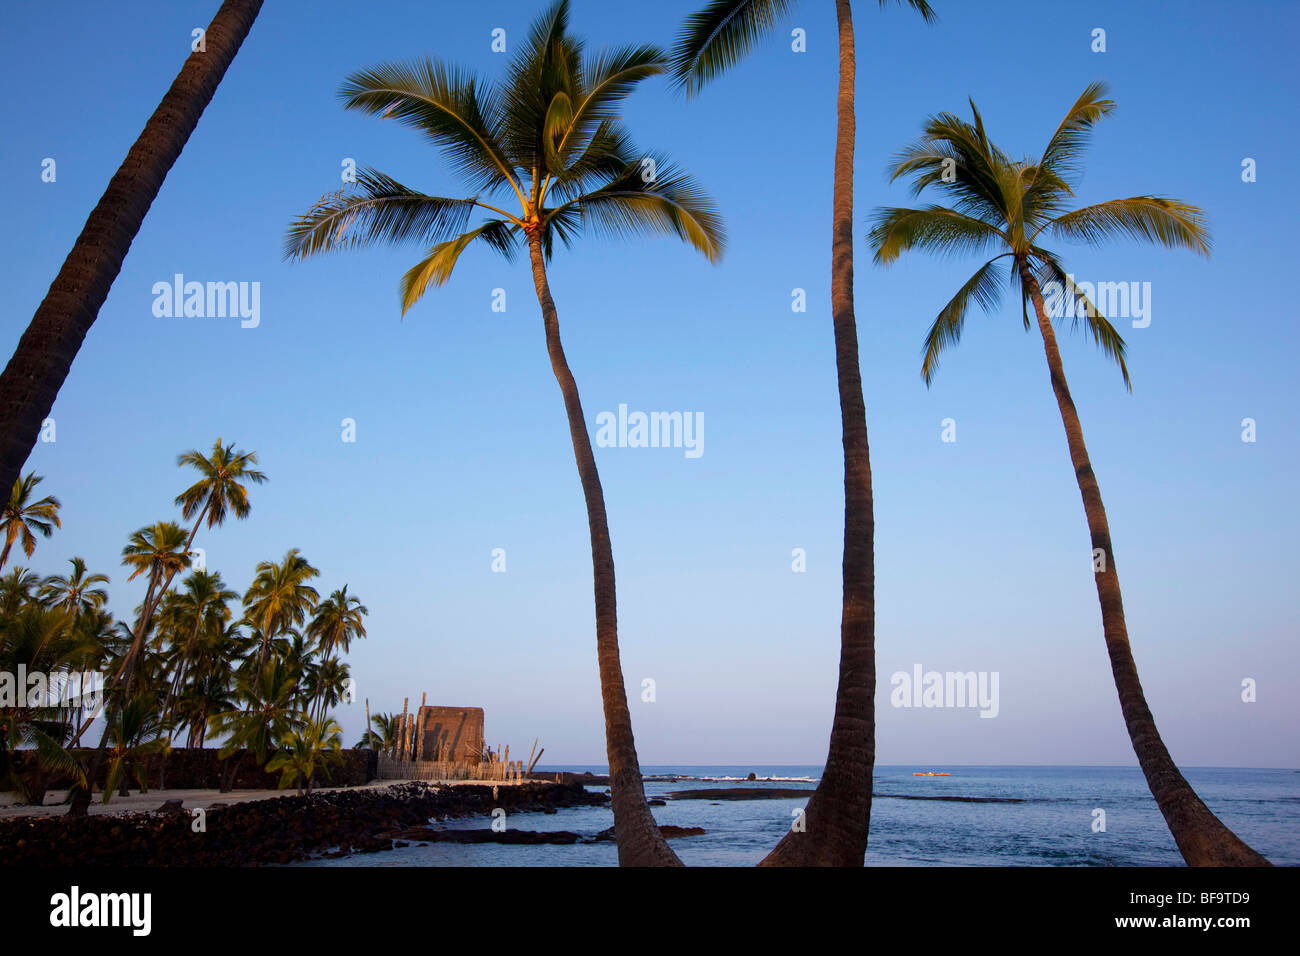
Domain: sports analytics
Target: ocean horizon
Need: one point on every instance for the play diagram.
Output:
(998, 815)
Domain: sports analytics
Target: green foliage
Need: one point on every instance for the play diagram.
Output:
(549, 135)
(999, 203)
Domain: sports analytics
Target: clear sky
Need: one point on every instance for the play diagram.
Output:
(983, 558)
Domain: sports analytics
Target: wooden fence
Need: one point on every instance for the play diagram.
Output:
(392, 768)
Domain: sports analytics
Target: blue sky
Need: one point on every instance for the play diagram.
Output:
(982, 549)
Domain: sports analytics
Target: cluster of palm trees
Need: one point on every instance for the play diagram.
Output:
(262, 679)
(544, 155)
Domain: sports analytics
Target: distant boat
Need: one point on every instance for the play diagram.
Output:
(930, 773)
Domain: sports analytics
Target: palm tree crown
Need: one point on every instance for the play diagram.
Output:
(1011, 205)
(549, 135)
(219, 491)
(22, 516)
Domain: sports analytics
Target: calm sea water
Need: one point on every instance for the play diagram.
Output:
(1052, 827)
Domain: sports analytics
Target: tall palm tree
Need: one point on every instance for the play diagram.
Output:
(217, 494)
(280, 598)
(157, 550)
(837, 817)
(202, 603)
(41, 362)
(77, 592)
(22, 516)
(549, 136)
(1010, 206)
(338, 622)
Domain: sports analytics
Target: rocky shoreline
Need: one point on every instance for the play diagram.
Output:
(278, 830)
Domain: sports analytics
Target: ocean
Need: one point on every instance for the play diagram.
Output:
(1054, 823)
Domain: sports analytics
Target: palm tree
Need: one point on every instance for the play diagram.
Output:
(18, 589)
(44, 355)
(1009, 206)
(203, 603)
(42, 640)
(136, 731)
(279, 598)
(22, 516)
(381, 735)
(159, 550)
(551, 137)
(77, 592)
(267, 709)
(337, 622)
(316, 744)
(216, 494)
(325, 686)
(837, 817)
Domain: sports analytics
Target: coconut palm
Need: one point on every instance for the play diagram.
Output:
(220, 492)
(135, 731)
(42, 640)
(338, 622)
(381, 735)
(44, 355)
(18, 589)
(23, 515)
(158, 550)
(325, 684)
(837, 817)
(549, 138)
(315, 745)
(77, 592)
(1010, 206)
(216, 495)
(202, 604)
(267, 710)
(279, 598)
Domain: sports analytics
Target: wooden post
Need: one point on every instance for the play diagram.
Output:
(406, 749)
(369, 734)
(536, 759)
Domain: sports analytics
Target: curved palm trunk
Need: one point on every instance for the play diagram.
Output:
(639, 840)
(1202, 838)
(838, 814)
(80, 803)
(39, 366)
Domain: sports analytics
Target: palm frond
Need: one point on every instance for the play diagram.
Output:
(931, 229)
(1064, 149)
(669, 203)
(380, 210)
(447, 105)
(985, 288)
(1166, 222)
(435, 268)
(716, 37)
